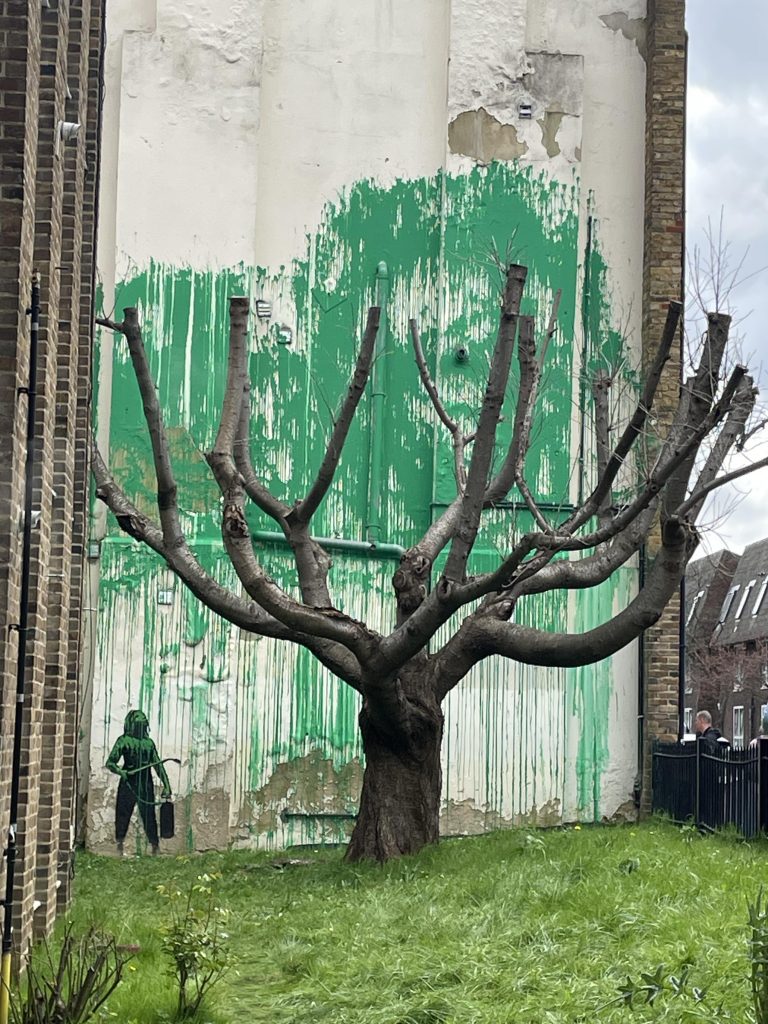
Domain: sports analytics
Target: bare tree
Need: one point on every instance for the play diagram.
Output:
(401, 682)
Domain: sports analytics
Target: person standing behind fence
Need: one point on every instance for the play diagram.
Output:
(712, 740)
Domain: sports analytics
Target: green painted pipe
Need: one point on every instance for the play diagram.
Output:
(378, 394)
(352, 547)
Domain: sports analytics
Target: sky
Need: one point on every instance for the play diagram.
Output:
(728, 177)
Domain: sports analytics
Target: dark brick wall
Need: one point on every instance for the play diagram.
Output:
(49, 72)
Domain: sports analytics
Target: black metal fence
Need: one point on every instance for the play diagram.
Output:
(729, 787)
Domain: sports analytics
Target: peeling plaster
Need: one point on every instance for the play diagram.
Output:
(478, 134)
(550, 126)
(633, 29)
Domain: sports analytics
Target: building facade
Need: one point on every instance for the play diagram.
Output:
(49, 82)
(317, 162)
(727, 641)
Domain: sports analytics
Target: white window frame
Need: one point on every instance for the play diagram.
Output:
(759, 598)
(744, 598)
(737, 719)
(688, 719)
(727, 604)
(692, 612)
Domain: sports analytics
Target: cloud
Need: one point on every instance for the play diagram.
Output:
(727, 157)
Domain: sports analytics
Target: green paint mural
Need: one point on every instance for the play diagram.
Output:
(440, 239)
(139, 757)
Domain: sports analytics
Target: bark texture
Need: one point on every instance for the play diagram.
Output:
(400, 801)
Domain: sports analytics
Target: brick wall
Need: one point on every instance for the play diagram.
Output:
(49, 72)
(663, 280)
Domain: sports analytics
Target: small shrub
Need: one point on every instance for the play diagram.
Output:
(195, 940)
(68, 986)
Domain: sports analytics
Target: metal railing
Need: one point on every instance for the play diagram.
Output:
(712, 790)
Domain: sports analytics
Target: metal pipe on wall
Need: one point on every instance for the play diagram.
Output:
(378, 394)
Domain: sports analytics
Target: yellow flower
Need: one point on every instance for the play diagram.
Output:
(577, 828)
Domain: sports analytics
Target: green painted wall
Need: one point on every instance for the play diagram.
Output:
(444, 240)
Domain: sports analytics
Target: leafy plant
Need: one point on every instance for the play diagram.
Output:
(660, 989)
(195, 941)
(758, 957)
(69, 985)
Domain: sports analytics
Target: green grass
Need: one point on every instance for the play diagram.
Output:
(514, 926)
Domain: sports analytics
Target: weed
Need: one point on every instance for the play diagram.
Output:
(195, 941)
(70, 983)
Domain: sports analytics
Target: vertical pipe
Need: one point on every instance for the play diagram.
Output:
(681, 648)
(697, 798)
(586, 350)
(26, 557)
(378, 394)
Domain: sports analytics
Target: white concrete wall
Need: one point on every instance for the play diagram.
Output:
(228, 127)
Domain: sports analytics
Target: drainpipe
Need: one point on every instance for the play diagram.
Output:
(21, 657)
(351, 547)
(638, 794)
(681, 647)
(585, 304)
(376, 442)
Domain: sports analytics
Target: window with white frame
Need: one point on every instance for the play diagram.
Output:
(760, 596)
(692, 612)
(738, 726)
(738, 678)
(744, 598)
(688, 719)
(727, 604)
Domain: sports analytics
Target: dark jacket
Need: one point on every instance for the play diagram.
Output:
(710, 741)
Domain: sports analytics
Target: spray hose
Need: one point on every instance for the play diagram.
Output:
(146, 768)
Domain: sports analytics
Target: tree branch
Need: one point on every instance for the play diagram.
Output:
(482, 452)
(166, 483)
(702, 389)
(635, 426)
(483, 634)
(304, 510)
(328, 623)
(458, 439)
(530, 373)
(247, 615)
(600, 395)
(255, 490)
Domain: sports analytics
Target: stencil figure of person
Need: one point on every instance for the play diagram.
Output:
(139, 756)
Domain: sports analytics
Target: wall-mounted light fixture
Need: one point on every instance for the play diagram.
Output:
(165, 597)
(67, 130)
(263, 309)
(525, 111)
(284, 335)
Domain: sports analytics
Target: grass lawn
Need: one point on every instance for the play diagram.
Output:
(511, 927)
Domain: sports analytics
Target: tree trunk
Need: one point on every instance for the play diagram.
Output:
(400, 802)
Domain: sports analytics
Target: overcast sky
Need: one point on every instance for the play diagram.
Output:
(728, 172)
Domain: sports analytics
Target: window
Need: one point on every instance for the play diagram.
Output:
(738, 726)
(764, 715)
(688, 719)
(692, 612)
(738, 678)
(744, 598)
(727, 604)
(760, 596)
